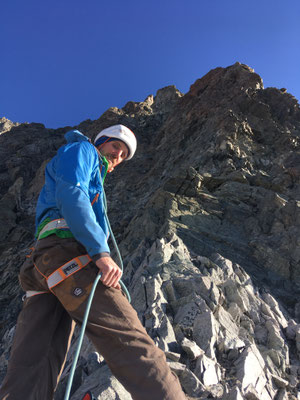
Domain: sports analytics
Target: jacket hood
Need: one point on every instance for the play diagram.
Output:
(76, 136)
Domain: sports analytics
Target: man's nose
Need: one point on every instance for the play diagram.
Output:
(119, 153)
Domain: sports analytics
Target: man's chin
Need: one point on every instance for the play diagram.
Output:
(110, 166)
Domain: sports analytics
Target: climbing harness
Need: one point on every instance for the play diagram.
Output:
(59, 223)
(31, 293)
(68, 269)
(89, 303)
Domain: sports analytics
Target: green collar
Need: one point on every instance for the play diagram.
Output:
(105, 162)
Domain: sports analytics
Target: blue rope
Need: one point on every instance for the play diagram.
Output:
(80, 340)
(124, 288)
(89, 303)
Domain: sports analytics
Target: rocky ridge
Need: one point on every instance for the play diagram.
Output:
(208, 220)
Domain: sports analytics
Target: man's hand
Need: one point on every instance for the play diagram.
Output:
(111, 273)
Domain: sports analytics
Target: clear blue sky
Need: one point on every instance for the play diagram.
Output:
(64, 61)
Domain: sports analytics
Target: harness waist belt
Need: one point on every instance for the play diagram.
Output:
(67, 270)
(55, 224)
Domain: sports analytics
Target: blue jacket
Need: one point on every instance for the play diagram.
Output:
(73, 190)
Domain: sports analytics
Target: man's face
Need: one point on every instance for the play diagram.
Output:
(115, 152)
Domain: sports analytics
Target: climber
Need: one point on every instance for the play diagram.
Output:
(57, 277)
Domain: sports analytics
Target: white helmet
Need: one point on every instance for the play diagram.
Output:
(122, 133)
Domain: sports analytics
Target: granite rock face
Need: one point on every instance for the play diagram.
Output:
(207, 215)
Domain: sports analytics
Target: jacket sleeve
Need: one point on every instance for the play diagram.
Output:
(75, 165)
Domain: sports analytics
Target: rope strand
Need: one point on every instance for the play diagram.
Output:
(89, 303)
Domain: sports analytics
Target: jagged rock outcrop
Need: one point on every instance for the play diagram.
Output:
(6, 125)
(208, 219)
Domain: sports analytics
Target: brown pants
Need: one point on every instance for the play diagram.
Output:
(45, 327)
